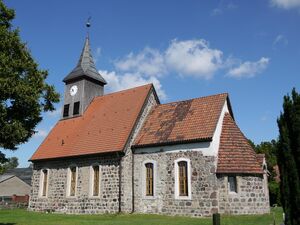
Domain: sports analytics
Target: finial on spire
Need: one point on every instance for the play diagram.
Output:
(88, 23)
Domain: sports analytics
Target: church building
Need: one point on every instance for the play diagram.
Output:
(127, 152)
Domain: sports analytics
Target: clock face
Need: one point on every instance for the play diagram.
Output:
(73, 90)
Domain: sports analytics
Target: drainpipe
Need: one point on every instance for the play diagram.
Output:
(120, 181)
(132, 168)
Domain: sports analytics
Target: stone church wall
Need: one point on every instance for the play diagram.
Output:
(204, 190)
(57, 199)
(126, 163)
(251, 198)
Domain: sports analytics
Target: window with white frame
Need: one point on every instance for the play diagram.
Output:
(44, 183)
(95, 181)
(182, 179)
(232, 184)
(72, 181)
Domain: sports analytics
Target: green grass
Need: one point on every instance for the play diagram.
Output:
(23, 217)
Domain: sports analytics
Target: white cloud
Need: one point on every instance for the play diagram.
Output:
(149, 62)
(286, 4)
(40, 133)
(193, 58)
(117, 82)
(222, 7)
(55, 112)
(249, 69)
(280, 40)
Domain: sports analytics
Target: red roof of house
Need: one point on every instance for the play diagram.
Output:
(235, 153)
(104, 127)
(184, 121)
(260, 158)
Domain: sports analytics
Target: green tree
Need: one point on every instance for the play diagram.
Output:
(24, 93)
(269, 148)
(9, 163)
(288, 157)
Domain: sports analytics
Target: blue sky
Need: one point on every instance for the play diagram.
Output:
(188, 49)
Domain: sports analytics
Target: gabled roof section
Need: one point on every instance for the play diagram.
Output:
(24, 174)
(180, 122)
(235, 153)
(85, 67)
(104, 127)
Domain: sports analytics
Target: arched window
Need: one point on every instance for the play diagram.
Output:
(149, 179)
(72, 181)
(96, 180)
(44, 183)
(183, 178)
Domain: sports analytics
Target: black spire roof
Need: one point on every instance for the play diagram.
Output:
(85, 67)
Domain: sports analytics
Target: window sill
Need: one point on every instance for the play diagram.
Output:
(149, 197)
(183, 197)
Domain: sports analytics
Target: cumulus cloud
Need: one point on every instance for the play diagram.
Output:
(249, 69)
(193, 58)
(149, 62)
(286, 4)
(117, 82)
(40, 133)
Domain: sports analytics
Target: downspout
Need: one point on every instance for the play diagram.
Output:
(120, 181)
(132, 168)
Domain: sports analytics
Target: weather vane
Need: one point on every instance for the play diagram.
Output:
(88, 25)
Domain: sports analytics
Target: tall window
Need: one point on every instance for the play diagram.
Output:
(66, 110)
(76, 108)
(149, 179)
(232, 184)
(44, 182)
(73, 178)
(183, 178)
(96, 179)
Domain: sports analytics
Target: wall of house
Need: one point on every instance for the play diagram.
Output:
(203, 199)
(252, 195)
(57, 199)
(126, 163)
(14, 186)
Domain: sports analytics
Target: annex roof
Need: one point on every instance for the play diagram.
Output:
(235, 153)
(180, 122)
(104, 127)
(24, 174)
(85, 67)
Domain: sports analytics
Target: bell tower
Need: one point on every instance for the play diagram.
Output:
(82, 84)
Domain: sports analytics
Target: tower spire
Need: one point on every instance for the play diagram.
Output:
(85, 67)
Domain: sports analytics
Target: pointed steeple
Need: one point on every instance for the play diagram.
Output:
(85, 67)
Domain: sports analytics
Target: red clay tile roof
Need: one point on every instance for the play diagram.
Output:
(184, 121)
(260, 158)
(235, 153)
(104, 127)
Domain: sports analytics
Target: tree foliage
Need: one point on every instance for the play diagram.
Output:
(288, 157)
(9, 163)
(269, 148)
(24, 93)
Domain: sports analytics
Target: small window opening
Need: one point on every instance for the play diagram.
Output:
(232, 184)
(183, 182)
(96, 181)
(66, 110)
(45, 182)
(76, 108)
(73, 181)
(149, 179)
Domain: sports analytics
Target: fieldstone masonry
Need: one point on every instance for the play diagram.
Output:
(204, 189)
(251, 197)
(57, 199)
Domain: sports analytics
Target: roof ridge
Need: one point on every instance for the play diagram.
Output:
(191, 99)
(118, 92)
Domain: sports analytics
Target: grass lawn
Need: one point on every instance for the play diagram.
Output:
(22, 217)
